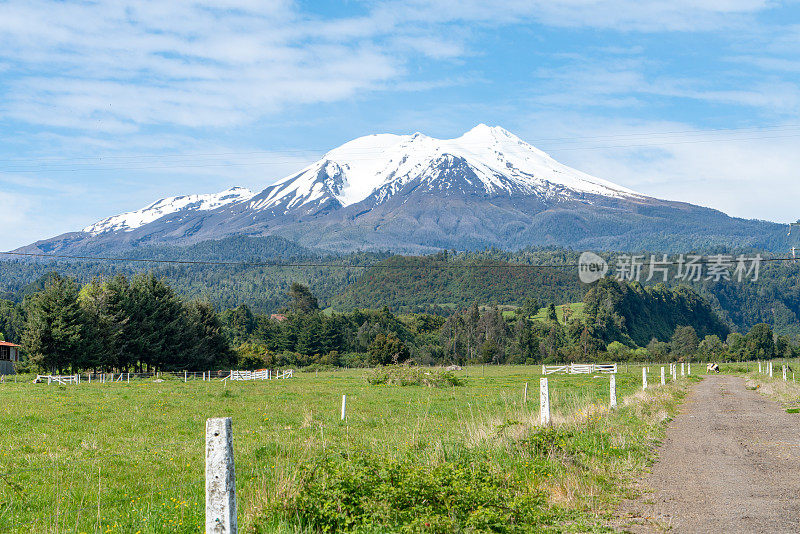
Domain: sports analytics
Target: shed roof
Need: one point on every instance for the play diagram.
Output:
(7, 344)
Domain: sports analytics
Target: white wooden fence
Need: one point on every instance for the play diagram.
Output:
(260, 374)
(580, 368)
(102, 378)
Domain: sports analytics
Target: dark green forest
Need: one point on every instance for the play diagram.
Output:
(439, 284)
(367, 308)
(140, 323)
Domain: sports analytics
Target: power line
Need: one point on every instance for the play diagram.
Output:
(431, 265)
(278, 264)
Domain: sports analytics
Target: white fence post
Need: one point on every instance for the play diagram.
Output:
(185, 377)
(544, 402)
(770, 369)
(784, 372)
(344, 406)
(220, 477)
(662, 376)
(683, 369)
(759, 367)
(613, 391)
(525, 394)
(688, 368)
(644, 378)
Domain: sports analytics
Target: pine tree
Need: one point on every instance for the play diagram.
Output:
(209, 349)
(302, 300)
(54, 326)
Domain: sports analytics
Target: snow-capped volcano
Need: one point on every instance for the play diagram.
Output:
(134, 219)
(414, 193)
(496, 161)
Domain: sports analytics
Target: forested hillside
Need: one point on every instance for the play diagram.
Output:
(408, 283)
(440, 284)
(137, 323)
(636, 314)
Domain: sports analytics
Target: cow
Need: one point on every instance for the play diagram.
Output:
(712, 368)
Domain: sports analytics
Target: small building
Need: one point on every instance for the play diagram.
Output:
(9, 355)
(278, 317)
(9, 352)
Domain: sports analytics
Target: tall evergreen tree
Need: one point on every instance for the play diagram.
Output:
(208, 349)
(684, 342)
(54, 325)
(302, 300)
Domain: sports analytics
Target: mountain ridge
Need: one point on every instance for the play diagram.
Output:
(413, 193)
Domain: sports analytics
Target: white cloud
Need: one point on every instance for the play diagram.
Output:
(623, 15)
(115, 66)
(735, 171)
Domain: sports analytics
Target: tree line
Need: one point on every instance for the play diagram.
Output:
(122, 324)
(619, 322)
(439, 284)
(140, 324)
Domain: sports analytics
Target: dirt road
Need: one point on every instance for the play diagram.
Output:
(730, 463)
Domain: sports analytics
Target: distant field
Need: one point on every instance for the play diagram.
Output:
(573, 310)
(129, 457)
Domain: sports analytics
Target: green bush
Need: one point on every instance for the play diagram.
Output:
(374, 494)
(548, 440)
(401, 375)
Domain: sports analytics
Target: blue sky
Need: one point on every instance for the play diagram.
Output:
(108, 106)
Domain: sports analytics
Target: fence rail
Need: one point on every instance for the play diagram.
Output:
(580, 368)
(185, 376)
(260, 374)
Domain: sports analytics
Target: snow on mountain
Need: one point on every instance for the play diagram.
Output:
(135, 219)
(501, 161)
(414, 193)
(484, 161)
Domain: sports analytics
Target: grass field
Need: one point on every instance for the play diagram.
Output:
(574, 310)
(129, 457)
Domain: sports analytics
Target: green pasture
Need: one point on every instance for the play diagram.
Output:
(120, 457)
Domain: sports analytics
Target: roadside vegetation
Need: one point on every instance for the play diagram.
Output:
(785, 392)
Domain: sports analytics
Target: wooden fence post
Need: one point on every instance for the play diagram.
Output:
(613, 391)
(544, 403)
(220, 477)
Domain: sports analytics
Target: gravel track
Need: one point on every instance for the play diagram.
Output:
(730, 463)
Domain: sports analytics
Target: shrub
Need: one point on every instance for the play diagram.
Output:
(375, 494)
(548, 441)
(401, 375)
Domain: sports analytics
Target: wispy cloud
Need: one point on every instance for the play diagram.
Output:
(112, 66)
(735, 171)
